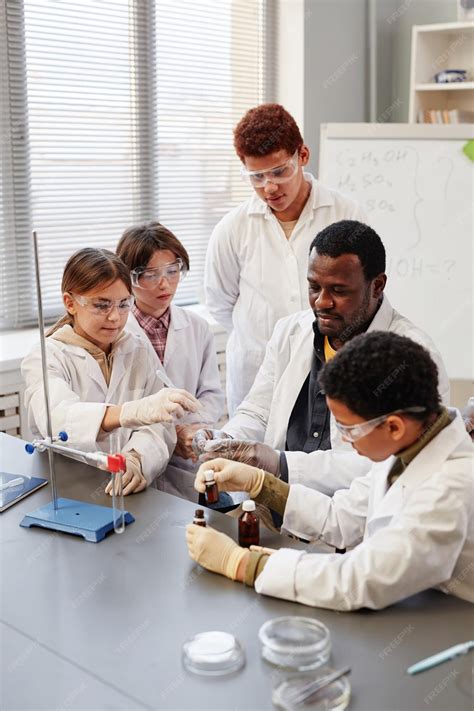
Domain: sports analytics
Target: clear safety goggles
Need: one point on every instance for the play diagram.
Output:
(103, 307)
(280, 174)
(354, 432)
(149, 278)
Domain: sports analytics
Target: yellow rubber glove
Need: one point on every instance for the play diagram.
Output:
(159, 407)
(231, 476)
(214, 550)
(133, 480)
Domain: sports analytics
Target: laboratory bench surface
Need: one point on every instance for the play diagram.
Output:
(100, 626)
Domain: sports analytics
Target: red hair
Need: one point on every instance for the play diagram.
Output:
(265, 129)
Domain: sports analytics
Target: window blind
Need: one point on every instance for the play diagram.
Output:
(213, 62)
(130, 106)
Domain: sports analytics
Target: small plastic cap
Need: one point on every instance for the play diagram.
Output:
(63, 436)
(209, 475)
(29, 448)
(248, 505)
(116, 463)
(199, 513)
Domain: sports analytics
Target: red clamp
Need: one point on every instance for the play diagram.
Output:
(116, 463)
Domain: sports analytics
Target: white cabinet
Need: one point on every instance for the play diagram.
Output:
(434, 48)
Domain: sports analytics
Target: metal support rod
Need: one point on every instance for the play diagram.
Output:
(97, 459)
(44, 362)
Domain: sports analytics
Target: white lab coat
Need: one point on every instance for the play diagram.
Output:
(255, 276)
(190, 362)
(418, 534)
(265, 412)
(79, 394)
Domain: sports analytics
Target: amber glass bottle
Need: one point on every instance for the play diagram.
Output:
(249, 525)
(212, 492)
(199, 519)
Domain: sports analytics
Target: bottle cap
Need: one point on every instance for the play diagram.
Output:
(209, 475)
(248, 505)
(199, 513)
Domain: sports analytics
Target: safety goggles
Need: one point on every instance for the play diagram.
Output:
(280, 174)
(103, 307)
(148, 278)
(354, 432)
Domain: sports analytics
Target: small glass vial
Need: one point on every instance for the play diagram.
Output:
(199, 519)
(212, 492)
(249, 525)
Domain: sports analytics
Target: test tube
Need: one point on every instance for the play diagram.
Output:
(117, 469)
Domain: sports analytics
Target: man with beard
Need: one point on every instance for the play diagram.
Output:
(284, 424)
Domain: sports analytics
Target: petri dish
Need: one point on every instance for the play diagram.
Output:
(334, 697)
(300, 643)
(213, 653)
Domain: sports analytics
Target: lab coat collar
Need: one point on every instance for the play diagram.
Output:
(299, 365)
(126, 345)
(318, 197)
(383, 318)
(305, 319)
(179, 320)
(387, 502)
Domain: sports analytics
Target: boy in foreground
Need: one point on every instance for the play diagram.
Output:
(409, 520)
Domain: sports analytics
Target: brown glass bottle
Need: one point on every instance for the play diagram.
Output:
(249, 525)
(199, 519)
(212, 492)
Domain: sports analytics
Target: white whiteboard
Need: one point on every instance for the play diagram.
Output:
(416, 186)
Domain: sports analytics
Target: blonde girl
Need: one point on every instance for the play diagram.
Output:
(101, 378)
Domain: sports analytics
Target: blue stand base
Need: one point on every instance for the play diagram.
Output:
(91, 521)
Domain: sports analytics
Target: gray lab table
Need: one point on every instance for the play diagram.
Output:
(100, 626)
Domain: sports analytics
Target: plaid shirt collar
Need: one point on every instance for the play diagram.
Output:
(150, 323)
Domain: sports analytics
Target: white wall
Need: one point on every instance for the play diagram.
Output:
(395, 19)
(335, 61)
(291, 58)
(336, 58)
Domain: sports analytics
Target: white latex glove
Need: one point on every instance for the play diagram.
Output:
(133, 480)
(214, 550)
(231, 476)
(159, 407)
(205, 435)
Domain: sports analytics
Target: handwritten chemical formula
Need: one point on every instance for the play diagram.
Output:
(416, 193)
(419, 267)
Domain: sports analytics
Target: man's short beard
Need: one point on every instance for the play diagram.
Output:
(359, 322)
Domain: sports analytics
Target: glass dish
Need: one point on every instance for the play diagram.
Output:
(334, 697)
(213, 654)
(300, 643)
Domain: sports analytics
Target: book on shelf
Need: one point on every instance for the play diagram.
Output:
(445, 116)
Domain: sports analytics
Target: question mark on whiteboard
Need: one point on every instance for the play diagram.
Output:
(449, 264)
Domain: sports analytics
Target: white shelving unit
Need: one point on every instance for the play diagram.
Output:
(434, 48)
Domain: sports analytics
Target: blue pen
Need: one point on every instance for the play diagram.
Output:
(441, 657)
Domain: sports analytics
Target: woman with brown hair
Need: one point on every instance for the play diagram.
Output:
(182, 340)
(102, 378)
